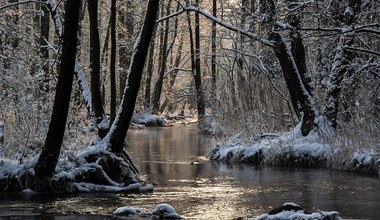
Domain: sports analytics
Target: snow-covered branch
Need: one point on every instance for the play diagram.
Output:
(220, 22)
(57, 20)
(295, 6)
(361, 50)
(339, 30)
(85, 88)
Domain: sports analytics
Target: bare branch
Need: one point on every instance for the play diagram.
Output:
(361, 50)
(220, 22)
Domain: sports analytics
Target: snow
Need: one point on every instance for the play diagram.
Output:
(148, 119)
(87, 97)
(299, 215)
(286, 212)
(13, 168)
(28, 191)
(292, 147)
(349, 11)
(127, 211)
(56, 17)
(135, 187)
(161, 211)
(104, 124)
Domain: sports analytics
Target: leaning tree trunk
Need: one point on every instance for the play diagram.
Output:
(49, 156)
(294, 84)
(121, 123)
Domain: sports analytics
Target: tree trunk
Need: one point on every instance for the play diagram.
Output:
(149, 73)
(121, 123)
(197, 74)
(213, 53)
(340, 64)
(164, 55)
(173, 76)
(113, 61)
(49, 156)
(101, 119)
(297, 90)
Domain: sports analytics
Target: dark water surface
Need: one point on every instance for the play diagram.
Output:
(206, 189)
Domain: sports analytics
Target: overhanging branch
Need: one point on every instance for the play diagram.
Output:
(220, 22)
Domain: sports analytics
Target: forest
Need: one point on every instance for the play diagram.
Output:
(279, 82)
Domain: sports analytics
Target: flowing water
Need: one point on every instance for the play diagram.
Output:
(173, 160)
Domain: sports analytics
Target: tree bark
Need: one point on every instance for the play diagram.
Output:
(149, 73)
(49, 156)
(113, 61)
(340, 64)
(101, 119)
(213, 53)
(121, 123)
(197, 74)
(296, 88)
(164, 55)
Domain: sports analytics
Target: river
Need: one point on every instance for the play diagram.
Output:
(173, 160)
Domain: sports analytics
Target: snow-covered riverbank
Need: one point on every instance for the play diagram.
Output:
(293, 149)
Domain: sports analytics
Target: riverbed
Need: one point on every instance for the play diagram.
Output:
(173, 160)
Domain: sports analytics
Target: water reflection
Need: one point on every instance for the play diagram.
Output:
(206, 189)
(220, 190)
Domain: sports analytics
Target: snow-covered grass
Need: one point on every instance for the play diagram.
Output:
(161, 211)
(318, 149)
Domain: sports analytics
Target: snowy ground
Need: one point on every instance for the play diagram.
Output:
(293, 149)
(161, 211)
(74, 173)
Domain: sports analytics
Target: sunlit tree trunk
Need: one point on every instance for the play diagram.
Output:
(49, 156)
